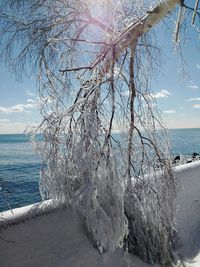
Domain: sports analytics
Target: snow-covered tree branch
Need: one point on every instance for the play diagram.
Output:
(102, 153)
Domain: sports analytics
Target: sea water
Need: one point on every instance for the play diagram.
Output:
(20, 165)
(184, 141)
(19, 172)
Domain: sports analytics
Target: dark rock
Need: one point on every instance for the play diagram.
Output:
(176, 159)
(195, 155)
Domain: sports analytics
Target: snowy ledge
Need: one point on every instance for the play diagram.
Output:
(17, 215)
(187, 166)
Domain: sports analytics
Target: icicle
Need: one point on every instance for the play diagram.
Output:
(178, 24)
(195, 11)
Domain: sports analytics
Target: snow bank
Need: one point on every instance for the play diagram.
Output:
(55, 239)
(188, 211)
(22, 214)
(44, 235)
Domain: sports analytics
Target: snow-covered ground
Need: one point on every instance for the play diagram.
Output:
(54, 239)
(188, 212)
(48, 236)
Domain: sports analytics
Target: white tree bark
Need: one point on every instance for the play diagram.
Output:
(130, 35)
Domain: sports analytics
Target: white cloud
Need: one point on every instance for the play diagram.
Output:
(193, 86)
(12, 128)
(125, 93)
(31, 101)
(29, 93)
(198, 66)
(27, 107)
(162, 94)
(171, 111)
(193, 99)
(4, 120)
(196, 106)
(15, 127)
(17, 108)
(45, 100)
(149, 105)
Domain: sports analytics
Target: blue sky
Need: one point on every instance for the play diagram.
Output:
(18, 108)
(177, 91)
(177, 86)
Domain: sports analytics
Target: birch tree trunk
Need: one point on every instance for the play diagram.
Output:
(132, 33)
